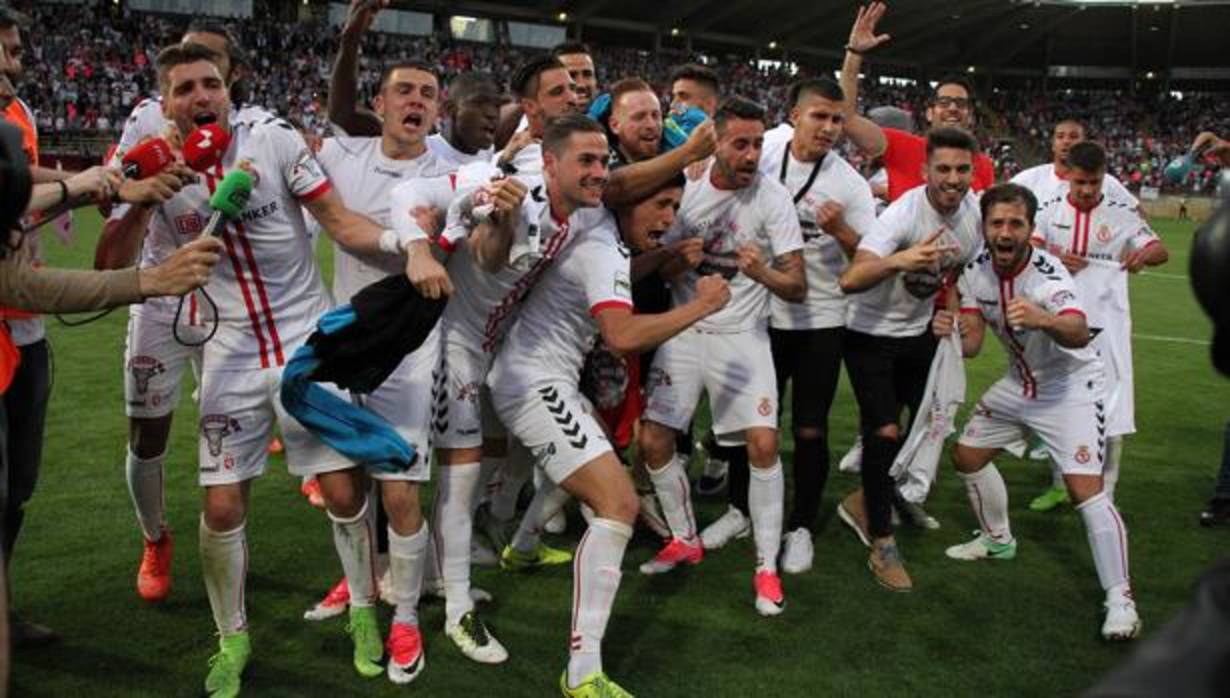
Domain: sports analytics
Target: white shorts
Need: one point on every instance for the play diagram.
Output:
(406, 400)
(154, 364)
(1073, 428)
(556, 424)
(1116, 354)
(463, 414)
(238, 411)
(735, 370)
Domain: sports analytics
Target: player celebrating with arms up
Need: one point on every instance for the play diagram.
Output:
(1055, 388)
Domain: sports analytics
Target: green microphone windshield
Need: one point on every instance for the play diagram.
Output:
(231, 196)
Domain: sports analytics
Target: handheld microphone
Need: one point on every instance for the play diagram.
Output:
(204, 147)
(228, 201)
(147, 159)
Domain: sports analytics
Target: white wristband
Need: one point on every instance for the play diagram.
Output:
(392, 243)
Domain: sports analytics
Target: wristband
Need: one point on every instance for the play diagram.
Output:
(853, 50)
(63, 190)
(392, 243)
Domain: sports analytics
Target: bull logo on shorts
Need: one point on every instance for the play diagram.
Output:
(143, 368)
(1082, 455)
(766, 407)
(216, 427)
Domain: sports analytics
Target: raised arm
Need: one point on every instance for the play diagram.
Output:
(865, 134)
(344, 108)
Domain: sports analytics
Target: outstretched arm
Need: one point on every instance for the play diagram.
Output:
(344, 109)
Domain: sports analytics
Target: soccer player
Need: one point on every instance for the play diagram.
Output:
(534, 380)
(904, 154)
(920, 239)
(268, 298)
(1047, 180)
(694, 85)
(1100, 238)
(1055, 387)
(835, 209)
(751, 236)
(579, 61)
(364, 171)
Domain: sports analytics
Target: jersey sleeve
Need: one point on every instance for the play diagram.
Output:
(1057, 295)
(1143, 235)
(886, 236)
(608, 280)
(286, 151)
(984, 173)
(965, 291)
(860, 213)
(782, 222)
(421, 192)
(896, 147)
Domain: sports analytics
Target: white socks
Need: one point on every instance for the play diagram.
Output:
(766, 491)
(674, 494)
(490, 480)
(989, 498)
(1107, 540)
(224, 563)
(595, 581)
(1110, 467)
(454, 530)
(407, 559)
(355, 542)
(145, 477)
(547, 501)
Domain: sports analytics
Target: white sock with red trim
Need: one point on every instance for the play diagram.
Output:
(224, 564)
(454, 531)
(406, 557)
(595, 581)
(989, 497)
(1107, 540)
(145, 476)
(356, 548)
(670, 482)
(766, 492)
(547, 501)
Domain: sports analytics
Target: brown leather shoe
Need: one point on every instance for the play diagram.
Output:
(886, 563)
(853, 512)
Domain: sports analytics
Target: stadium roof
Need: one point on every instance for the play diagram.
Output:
(998, 36)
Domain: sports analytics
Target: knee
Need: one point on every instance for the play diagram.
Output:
(223, 513)
(656, 443)
(888, 432)
(618, 503)
(961, 460)
(343, 497)
(762, 447)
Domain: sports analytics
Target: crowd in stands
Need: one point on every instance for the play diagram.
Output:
(89, 74)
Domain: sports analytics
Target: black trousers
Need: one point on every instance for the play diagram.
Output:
(23, 414)
(887, 373)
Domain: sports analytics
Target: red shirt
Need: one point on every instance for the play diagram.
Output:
(905, 156)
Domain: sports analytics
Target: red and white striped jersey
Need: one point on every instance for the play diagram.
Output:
(1042, 367)
(268, 287)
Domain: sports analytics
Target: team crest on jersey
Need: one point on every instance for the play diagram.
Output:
(765, 408)
(143, 368)
(467, 392)
(1062, 298)
(1082, 455)
(189, 224)
(1105, 233)
(216, 427)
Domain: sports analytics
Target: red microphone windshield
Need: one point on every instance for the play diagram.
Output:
(204, 147)
(147, 159)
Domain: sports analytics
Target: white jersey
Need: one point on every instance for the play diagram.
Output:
(1039, 366)
(890, 309)
(267, 287)
(437, 194)
(811, 184)
(444, 151)
(762, 214)
(147, 121)
(775, 137)
(364, 178)
(557, 326)
(484, 304)
(1046, 184)
(1102, 236)
(527, 162)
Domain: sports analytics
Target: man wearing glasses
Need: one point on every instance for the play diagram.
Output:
(904, 154)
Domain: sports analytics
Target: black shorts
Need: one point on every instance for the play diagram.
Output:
(888, 373)
(811, 360)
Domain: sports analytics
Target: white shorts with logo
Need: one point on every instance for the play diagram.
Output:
(238, 412)
(556, 424)
(406, 400)
(463, 414)
(1072, 428)
(1116, 354)
(735, 370)
(154, 363)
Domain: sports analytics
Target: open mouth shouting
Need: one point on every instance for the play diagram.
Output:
(204, 117)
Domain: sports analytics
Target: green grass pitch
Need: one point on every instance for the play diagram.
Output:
(1024, 628)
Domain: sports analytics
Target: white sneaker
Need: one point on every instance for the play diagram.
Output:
(731, 525)
(475, 641)
(712, 475)
(556, 524)
(981, 547)
(852, 462)
(798, 551)
(1122, 622)
(913, 514)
